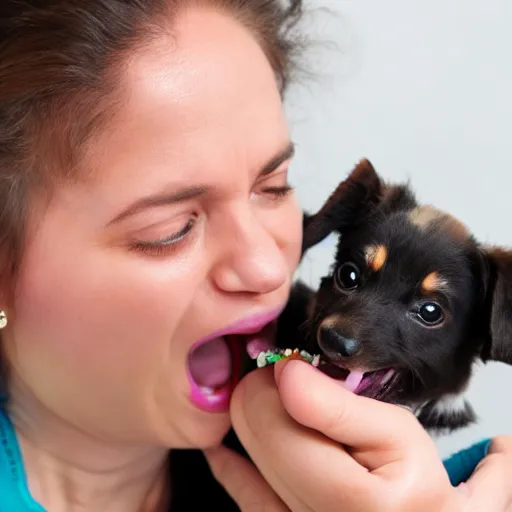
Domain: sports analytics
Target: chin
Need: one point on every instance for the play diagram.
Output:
(202, 431)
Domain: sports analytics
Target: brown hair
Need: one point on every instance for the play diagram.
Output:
(58, 65)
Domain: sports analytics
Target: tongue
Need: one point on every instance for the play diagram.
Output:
(210, 364)
(353, 380)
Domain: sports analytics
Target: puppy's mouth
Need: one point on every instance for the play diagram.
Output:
(370, 383)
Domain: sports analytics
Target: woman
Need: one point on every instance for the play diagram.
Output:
(148, 232)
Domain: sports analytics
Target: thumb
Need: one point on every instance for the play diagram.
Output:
(375, 432)
(243, 482)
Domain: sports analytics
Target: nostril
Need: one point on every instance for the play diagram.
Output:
(333, 341)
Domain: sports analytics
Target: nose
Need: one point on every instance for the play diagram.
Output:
(249, 258)
(333, 342)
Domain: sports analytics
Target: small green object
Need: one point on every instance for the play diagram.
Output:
(273, 356)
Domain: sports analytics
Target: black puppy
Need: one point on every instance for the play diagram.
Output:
(411, 303)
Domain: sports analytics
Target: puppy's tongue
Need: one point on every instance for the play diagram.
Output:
(210, 364)
(353, 380)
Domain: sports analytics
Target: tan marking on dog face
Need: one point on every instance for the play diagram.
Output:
(424, 216)
(376, 256)
(434, 282)
(456, 228)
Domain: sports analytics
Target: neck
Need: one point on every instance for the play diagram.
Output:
(69, 470)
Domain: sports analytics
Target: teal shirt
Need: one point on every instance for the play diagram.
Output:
(14, 493)
(461, 465)
(15, 496)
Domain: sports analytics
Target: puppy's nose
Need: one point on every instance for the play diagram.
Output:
(332, 341)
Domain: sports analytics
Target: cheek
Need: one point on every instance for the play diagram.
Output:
(104, 309)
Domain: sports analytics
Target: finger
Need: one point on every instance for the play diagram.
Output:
(386, 439)
(243, 482)
(305, 468)
(489, 488)
(501, 444)
(378, 432)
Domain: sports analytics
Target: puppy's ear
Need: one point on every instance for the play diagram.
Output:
(353, 199)
(498, 346)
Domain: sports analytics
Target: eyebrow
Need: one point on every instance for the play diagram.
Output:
(277, 160)
(163, 199)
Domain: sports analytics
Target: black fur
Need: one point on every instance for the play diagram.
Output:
(379, 318)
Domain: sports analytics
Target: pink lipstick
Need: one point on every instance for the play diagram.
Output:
(214, 362)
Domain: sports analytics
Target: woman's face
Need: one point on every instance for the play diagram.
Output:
(186, 232)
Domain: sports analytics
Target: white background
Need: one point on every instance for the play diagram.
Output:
(424, 90)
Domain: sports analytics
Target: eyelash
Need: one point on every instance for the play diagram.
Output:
(279, 192)
(170, 244)
(166, 245)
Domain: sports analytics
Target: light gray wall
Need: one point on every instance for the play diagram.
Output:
(424, 90)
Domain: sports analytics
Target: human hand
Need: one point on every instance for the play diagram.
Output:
(318, 447)
(489, 488)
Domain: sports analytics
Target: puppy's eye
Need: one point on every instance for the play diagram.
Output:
(431, 313)
(348, 276)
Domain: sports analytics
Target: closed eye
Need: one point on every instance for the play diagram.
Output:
(278, 192)
(166, 244)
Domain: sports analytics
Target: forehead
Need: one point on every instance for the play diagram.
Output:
(195, 102)
(403, 246)
(209, 62)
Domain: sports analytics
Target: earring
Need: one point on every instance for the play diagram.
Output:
(3, 319)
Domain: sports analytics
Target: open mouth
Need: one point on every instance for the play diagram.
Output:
(215, 366)
(373, 384)
(217, 363)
